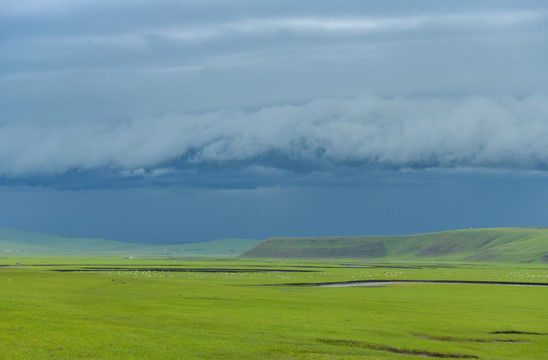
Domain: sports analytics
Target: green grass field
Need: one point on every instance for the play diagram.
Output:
(166, 308)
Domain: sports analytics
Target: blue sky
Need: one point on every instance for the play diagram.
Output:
(176, 121)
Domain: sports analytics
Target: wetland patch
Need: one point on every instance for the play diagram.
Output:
(394, 282)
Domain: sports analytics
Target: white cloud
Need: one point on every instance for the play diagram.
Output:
(475, 131)
(140, 172)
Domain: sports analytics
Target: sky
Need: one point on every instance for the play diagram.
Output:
(180, 121)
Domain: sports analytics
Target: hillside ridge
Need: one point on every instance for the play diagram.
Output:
(27, 243)
(490, 244)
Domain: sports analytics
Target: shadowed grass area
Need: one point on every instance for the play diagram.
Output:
(414, 352)
(131, 313)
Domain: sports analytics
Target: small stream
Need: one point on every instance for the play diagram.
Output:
(392, 282)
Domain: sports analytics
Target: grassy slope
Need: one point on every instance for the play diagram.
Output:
(17, 242)
(499, 244)
(214, 247)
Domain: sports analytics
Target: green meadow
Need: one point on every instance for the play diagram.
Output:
(236, 308)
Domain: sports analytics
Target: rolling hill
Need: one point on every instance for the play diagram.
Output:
(492, 245)
(26, 243)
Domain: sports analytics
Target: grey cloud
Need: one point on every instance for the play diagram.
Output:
(96, 61)
(86, 42)
(327, 133)
(179, 80)
(158, 90)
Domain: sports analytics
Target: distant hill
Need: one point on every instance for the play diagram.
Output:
(496, 245)
(21, 243)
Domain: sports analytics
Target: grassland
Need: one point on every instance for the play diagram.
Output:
(527, 245)
(166, 308)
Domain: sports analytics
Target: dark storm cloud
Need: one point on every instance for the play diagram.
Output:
(185, 120)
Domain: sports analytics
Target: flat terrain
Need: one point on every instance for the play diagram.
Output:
(165, 308)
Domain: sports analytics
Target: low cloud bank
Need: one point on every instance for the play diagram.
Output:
(326, 133)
